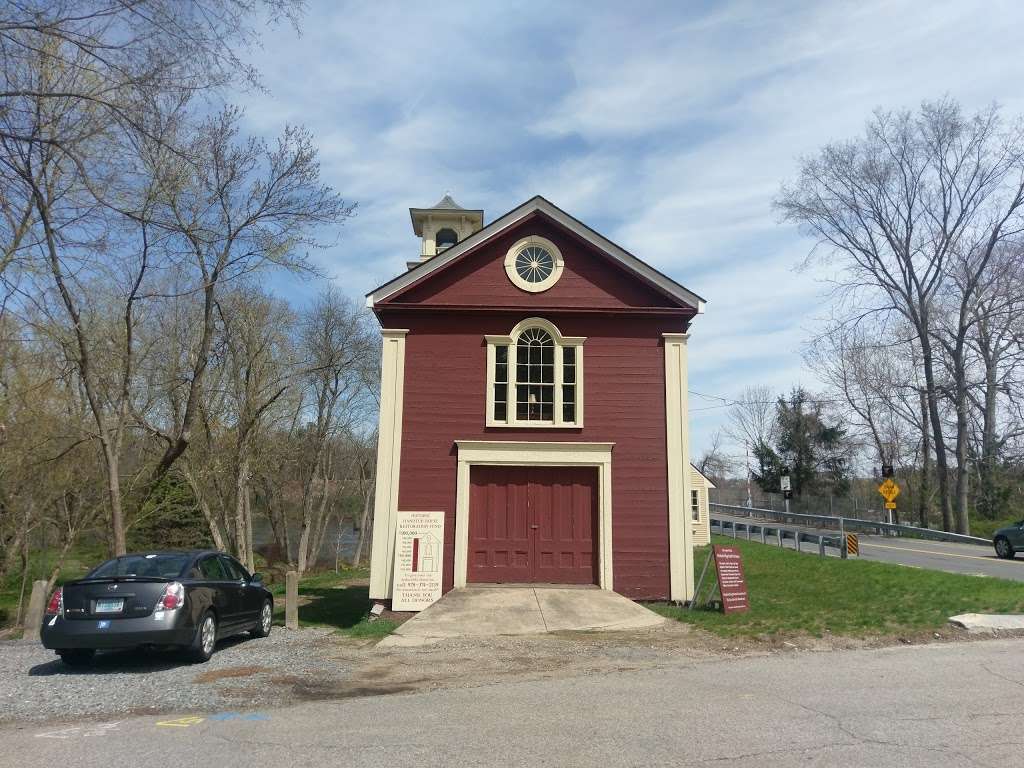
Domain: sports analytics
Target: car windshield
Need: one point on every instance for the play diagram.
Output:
(166, 566)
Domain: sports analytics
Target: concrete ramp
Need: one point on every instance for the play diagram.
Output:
(988, 622)
(487, 611)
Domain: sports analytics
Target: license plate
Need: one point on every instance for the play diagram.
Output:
(110, 606)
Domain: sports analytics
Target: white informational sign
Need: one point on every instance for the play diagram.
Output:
(784, 482)
(419, 550)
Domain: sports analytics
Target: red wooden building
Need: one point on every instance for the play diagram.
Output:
(534, 388)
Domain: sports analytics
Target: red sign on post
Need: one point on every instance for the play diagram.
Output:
(731, 584)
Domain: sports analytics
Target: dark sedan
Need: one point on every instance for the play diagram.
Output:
(186, 600)
(1009, 541)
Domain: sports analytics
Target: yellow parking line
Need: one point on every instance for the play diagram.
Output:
(181, 722)
(940, 554)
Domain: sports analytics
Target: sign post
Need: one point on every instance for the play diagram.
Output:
(419, 547)
(786, 487)
(731, 584)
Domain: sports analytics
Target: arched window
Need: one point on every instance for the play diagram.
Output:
(535, 377)
(445, 238)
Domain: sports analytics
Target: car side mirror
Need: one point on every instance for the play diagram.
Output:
(257, 578)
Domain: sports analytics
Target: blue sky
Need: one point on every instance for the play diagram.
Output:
(666, 126)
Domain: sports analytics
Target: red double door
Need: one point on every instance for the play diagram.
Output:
(533, 524)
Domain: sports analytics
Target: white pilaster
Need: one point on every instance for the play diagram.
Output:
(389, 452)
(677, 418)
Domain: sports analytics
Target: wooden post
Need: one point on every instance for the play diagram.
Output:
(36, 608)
(291, 600)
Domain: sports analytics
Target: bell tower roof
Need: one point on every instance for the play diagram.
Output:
(443, 225)
(447, 210)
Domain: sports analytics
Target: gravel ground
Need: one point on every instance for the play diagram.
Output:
(243, 674)
(314, 664)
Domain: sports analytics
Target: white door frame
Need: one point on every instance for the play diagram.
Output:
(527, 454)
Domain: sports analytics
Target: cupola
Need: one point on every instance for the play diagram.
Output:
(443, 225)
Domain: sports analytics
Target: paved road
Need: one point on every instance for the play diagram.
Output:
(971, 559)
(937, 705)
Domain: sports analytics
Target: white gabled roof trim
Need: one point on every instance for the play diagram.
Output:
(513, 217)
(706, 478)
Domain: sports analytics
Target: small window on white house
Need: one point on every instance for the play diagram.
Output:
(534, 377)
(695, 504)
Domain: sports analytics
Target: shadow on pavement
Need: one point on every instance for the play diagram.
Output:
(136, 660)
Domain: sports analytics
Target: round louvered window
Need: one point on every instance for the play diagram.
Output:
(534, 264)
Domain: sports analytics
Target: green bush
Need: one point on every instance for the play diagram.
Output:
(171, 519)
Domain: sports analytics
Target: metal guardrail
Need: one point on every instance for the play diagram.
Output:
(774, 534)
(851, 524)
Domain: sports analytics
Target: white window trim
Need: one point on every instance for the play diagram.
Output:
(543, 285)
(510, 402)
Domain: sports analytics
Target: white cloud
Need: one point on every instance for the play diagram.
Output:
(668, 128)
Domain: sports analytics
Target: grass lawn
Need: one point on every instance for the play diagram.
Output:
(802, 594)
(336, 602)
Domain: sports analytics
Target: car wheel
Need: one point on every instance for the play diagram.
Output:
(205, 639)
(262, 628)
(77, 657)
(1004, 549)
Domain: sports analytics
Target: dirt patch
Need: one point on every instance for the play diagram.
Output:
(223, 674)
(312, 691)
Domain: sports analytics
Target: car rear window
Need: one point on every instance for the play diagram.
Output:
(160, 566)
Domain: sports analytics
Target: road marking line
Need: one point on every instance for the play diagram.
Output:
(940, 554)
(99, 729)
(181, 722)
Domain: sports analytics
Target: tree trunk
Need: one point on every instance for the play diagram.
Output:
(962, 480)
(250, 557)
(323, 517)
(204, 507)
(55, 573)
(303, 548)
(117, 531)
(364, 520)
(989, 447)
(924, 509)
(241, 485)
(941, 467)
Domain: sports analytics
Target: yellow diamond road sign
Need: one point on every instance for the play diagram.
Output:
(889, 490)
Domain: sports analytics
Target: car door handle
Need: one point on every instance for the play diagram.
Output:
(534, 527)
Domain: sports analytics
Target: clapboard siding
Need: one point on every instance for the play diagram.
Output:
(701, 528)
(624, 403)
(589, 280)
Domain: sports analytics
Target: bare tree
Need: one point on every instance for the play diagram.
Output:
(260, 369)
(752, 416)
(715, 463)
(895, 209)
(244, 207)
(337, 343)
